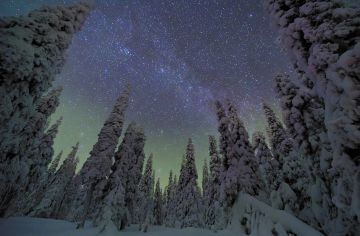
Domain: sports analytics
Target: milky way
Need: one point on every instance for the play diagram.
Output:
(179, 56)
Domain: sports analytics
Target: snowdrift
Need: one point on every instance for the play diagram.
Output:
(254, 217)
(26, 226)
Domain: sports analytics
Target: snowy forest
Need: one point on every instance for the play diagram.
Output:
(301, 177)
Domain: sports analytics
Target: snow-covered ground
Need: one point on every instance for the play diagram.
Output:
(25, 226)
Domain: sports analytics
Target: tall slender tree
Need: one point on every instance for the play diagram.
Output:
(188, 209)
(144, 204)
(169, 219)
(207, 195)
(215, 212)
(158, 204)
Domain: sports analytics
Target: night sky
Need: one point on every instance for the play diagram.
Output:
(179, 56)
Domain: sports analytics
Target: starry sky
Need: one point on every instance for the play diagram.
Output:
(179, 56)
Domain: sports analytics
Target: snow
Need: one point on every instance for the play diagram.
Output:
(258, 218)
(25, 226)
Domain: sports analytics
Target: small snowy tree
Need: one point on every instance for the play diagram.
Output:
(158, 204)
(55, 191)
(207, 196)
(281, 145)
(38, 173)
(170, 216)
(268, 166)
(144, 203)
(188, 206)
(71, 190)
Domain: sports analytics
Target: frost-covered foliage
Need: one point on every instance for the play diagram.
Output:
(32, 51)
(281, 145)
(323, 41)
(158, 204)
(50, 204)
(304, 117)
(144, 198)
(96, 169)
(268, 166)
(223, 129)
(49, 102)
(54, 165)
(240, 165)
(38, 176)
(42, 158)
(188, 199)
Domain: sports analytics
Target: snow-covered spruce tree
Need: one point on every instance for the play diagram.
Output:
(113, 209)
(293, 181)
(323, 42)
(158, 204)
(32, 49)
(169, 219)
(268, 166)
(144, 198)
(207, 196)
(118, 196)
(71, 190)
(304, 116)
(239, 168)
(131, 158)
(37, 180)
(96, 169)
(188, 200)
(55, 191)
(281, 144)
(45, 151)
(54, 165)
(39, 155)
(214, 213)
